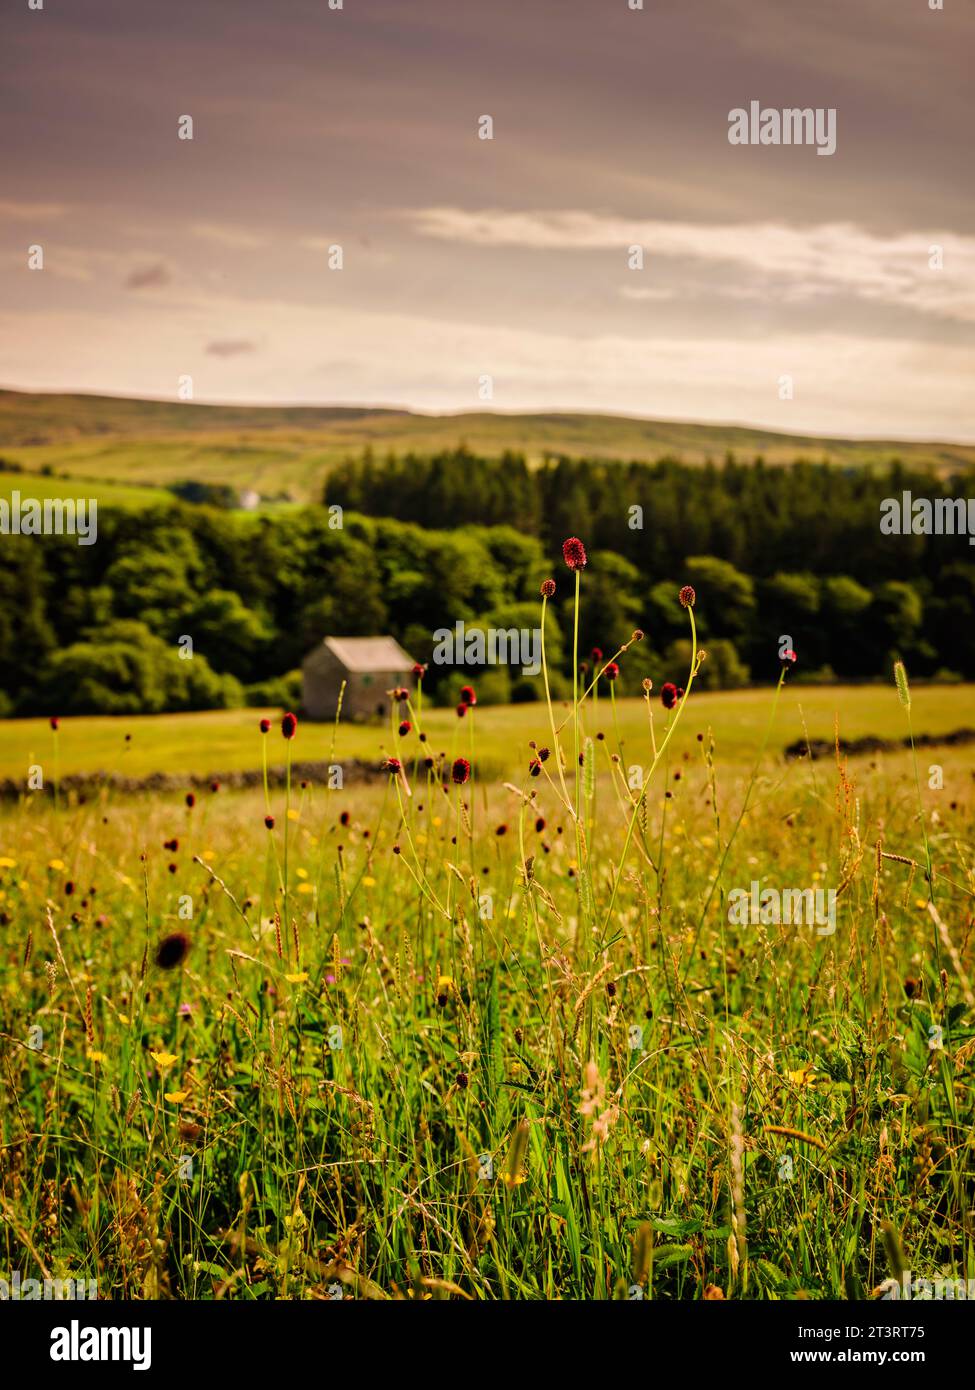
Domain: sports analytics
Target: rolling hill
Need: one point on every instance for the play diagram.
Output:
(287, 450)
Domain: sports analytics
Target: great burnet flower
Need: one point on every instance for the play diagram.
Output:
(668, 695)
(289, 725)
(547, 589)
(574, 553)
(460, 772)
(687, 596)
(172, 950)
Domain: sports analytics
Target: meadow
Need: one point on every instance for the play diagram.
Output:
(212, 741)
(480, 1027)
(112, 494)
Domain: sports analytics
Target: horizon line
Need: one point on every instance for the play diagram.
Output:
(453, 413)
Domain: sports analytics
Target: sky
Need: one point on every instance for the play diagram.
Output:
(779, 287)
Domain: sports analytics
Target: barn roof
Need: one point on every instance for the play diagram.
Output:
(369, 653)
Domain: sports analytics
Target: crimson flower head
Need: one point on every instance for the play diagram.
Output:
(172, 950)
(55, 723)
(265, 726)
(548, 588)
(393, 765)
(612, 671)
(789, 655)
(687, 597)
(597, 654)
(467, 696)
(460, 772)
(269, 822)
(461, 710)
(668, 695)
(288, 725)
(419, 670)
(190, 800)
(405, 728)
(574, 553)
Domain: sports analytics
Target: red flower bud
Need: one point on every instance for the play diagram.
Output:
(574, 553)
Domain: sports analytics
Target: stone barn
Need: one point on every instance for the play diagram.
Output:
(370, 666)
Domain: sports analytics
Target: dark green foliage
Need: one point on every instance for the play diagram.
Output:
(426, 542)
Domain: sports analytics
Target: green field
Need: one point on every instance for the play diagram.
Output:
(107, 494)
(289, 450)
(228, 740)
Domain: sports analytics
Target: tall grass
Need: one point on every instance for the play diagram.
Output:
(518, 1053)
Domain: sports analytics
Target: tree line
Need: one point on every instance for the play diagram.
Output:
(421, 543)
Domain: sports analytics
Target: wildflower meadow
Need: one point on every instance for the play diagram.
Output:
(485, 1027)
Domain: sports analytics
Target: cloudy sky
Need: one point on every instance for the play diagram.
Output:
(466, 258)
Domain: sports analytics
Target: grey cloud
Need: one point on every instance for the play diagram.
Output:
(149, 277)
(230, 347)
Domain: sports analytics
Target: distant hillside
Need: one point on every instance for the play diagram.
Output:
(279, 450)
